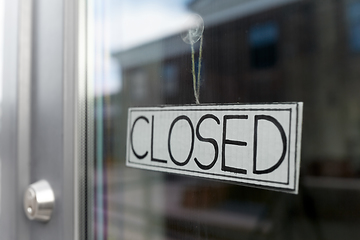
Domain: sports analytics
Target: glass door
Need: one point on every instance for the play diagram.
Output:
(249, 52)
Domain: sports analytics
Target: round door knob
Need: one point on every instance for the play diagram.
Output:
(39, 201)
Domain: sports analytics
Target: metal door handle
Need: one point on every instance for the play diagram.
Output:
(39, 201)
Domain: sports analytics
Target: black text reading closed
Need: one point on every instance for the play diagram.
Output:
(243, 145)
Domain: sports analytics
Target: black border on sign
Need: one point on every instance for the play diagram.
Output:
(203, 174)
(296, 147)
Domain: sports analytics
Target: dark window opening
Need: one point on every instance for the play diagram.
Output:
(353, 15)
(263, 39)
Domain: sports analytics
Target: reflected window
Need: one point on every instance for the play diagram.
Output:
(139, 85)
(263, 39)
(170, 79)
(353, 13)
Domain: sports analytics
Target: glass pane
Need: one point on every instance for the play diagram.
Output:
(250, 52)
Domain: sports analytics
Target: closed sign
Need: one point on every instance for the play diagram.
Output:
(256, 145)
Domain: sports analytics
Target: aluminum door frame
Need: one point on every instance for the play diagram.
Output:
(44, 65)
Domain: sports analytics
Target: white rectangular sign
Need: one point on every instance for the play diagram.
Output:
(257, 145)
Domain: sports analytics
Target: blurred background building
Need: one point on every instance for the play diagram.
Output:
(254, 51)
(299, 51)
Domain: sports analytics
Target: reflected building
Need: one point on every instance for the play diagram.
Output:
(265, 51)
(259, 51)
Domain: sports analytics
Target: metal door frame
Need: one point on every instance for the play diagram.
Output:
(42, 113)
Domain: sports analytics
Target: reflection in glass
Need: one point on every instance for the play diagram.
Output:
(253, 51)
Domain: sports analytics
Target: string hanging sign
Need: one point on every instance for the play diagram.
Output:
(254, 145)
